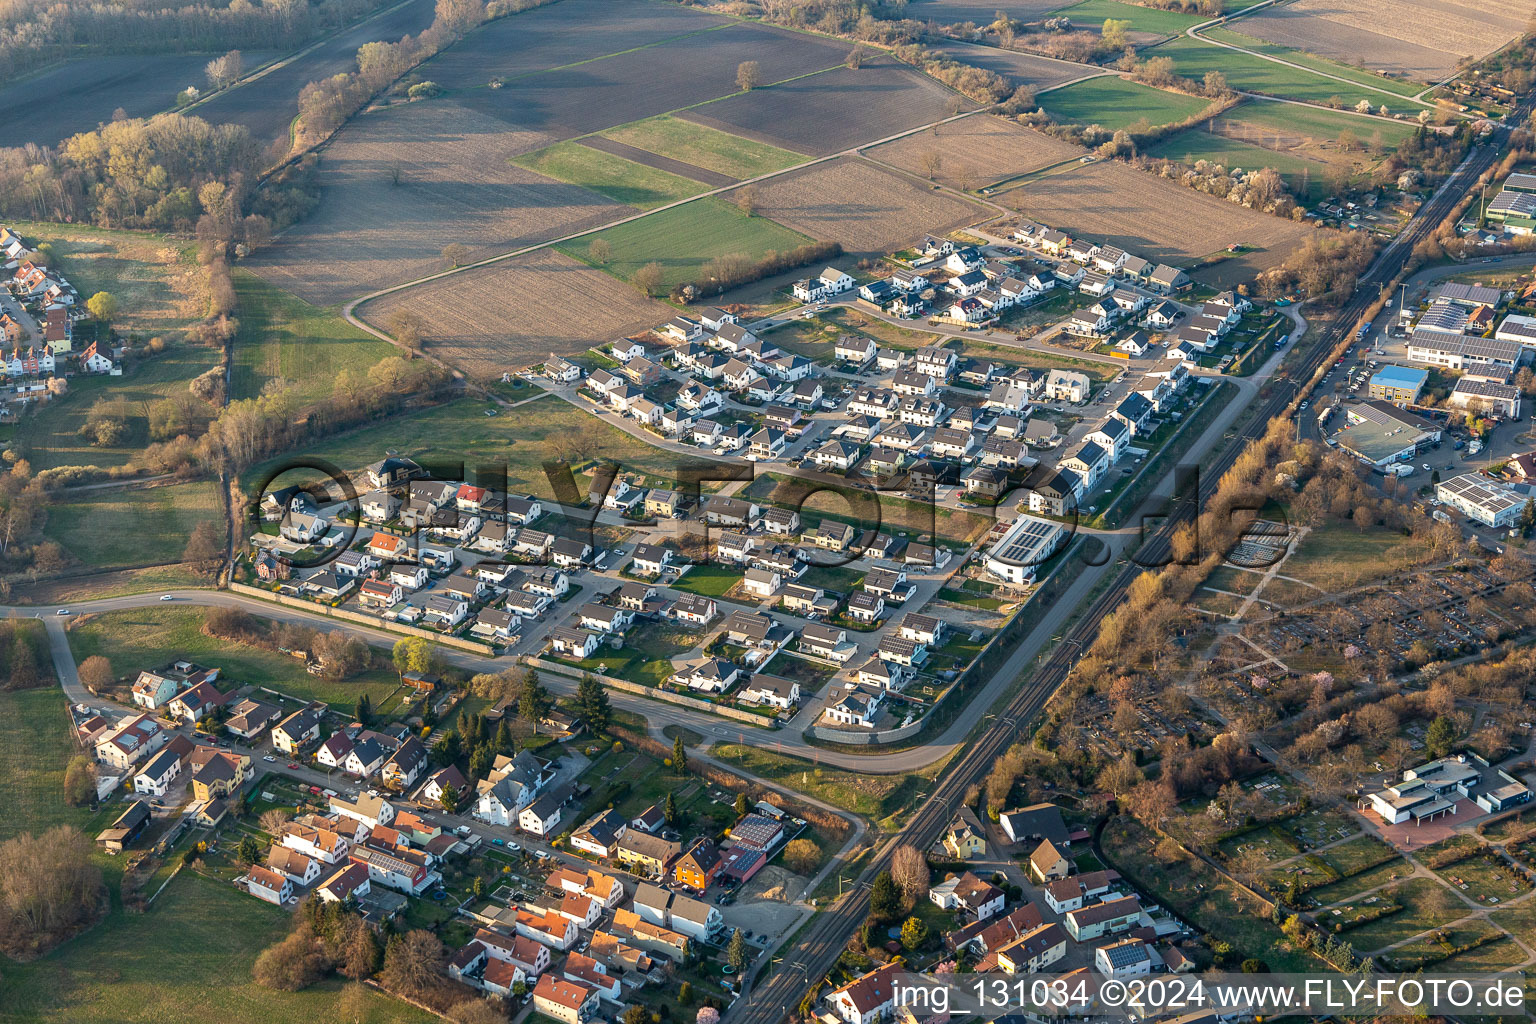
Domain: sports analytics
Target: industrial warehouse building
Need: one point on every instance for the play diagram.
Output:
(1399, 385)
(1463, 352)
(1379, 433)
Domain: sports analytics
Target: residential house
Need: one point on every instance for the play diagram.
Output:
(600, 834)
(1047, 864)
(1100, 919)
(1033, 951)
(567, 1001)
(269, 885)
(869, 999)
(646, 854)
(964, 838)
(770, 691)
(298, 729)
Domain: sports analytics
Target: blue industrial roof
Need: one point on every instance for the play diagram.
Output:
(1400, 376)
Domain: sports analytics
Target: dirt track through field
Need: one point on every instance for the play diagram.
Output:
(656, 160)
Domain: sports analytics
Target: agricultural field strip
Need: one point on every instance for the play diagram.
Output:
(349, 311)
(1195, 33)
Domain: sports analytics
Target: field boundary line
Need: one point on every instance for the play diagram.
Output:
(1194, 32)
(349, 309)
(589, 60)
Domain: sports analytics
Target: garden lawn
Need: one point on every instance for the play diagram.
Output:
(1321, 65)
(282, 337)
(829, 577)
(704, 147)
(1192, 58)
(621, 180)
(1115, 103)
(707, 580)
(35, 747)
(188, 958)
(95, 526)
(1143, 19)
(892, 515)
(646, 656)
(684, 239)
(149, 637)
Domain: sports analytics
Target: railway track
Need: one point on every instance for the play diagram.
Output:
(819, 948)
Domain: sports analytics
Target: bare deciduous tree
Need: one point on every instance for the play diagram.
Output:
(909, 869)
(748, 75)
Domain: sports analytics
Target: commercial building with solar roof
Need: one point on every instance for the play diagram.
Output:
(1481, 499)
(1027, 543)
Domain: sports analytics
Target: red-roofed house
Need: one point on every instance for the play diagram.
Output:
(569, 1001)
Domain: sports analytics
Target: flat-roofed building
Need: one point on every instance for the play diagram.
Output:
(1017, 555)
(1481, 499)
(1463, 352)
(1379, 433)
(1399, 385)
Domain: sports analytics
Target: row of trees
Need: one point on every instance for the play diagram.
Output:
(24, 659)
(325, 105)
(341, 654)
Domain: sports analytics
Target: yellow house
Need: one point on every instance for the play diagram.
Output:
(217, 773)
(963, 838)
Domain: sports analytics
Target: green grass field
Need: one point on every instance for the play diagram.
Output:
(188, 958)
(523, 438)
(94, 527)
(284, 338)
(708, 580)
(704, 147)
(685, 239)
(1338, 555)
(1321, 65)
(1192, 58)
(148, 637)
(1319, 123)
(623, 181)
(1197, 144)
(1115, 103)
(878, 797)
(49, 436)
(1143, 19)
(34, 749)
